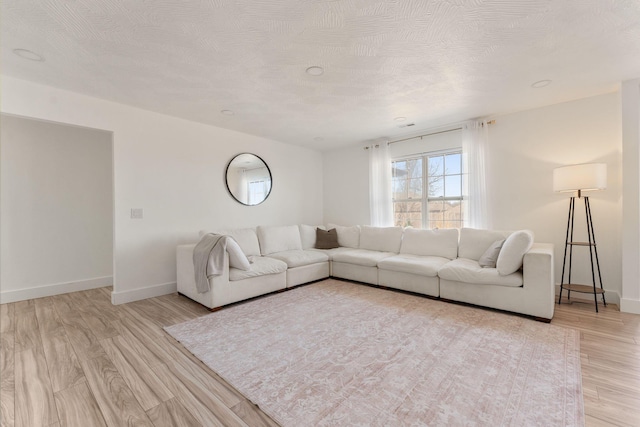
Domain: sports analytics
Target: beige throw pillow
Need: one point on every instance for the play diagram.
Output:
(490, 257)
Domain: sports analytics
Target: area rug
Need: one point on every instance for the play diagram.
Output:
(338, 353)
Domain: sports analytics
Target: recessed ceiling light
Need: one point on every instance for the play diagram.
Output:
(541, 83)
(400, 119)
(27, 54)
(315, 71)
(227, 112)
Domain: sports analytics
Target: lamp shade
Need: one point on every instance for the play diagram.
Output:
(585, 177)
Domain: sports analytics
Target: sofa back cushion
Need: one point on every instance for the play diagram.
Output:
(348, 237)
(442, 243)
(279, 239)
(384, 239)
(246, 237)
(474, 242)
(308, 235)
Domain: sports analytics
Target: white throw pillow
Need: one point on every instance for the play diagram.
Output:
(237, 258)
(279, 239)
(383, 239)
(512, 252)
(442, 242)
(349, 237)
(489, 258)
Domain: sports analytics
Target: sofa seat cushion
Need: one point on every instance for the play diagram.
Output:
(362, 257)
(469, 271)
(414, 264)
(260, 266)
(300, 258)
(331, 252)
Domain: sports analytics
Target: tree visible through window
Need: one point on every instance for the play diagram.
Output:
(427, 191)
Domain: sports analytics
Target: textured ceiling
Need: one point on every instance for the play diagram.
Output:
(433, 62)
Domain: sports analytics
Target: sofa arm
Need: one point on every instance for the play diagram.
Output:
(186, 282)
(538, 276)
(184, 267)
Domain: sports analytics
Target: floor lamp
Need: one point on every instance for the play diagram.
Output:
(579, 178)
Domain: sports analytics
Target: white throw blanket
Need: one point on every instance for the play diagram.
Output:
(208, 259)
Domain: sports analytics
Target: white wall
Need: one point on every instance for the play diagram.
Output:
(56, 208)
(524, 149)
(174, 170)
(346, 186)
(630, 94)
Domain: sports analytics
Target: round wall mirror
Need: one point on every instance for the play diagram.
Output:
(248, 179)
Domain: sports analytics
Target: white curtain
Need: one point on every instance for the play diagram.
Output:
(380, 201)
(475, 137)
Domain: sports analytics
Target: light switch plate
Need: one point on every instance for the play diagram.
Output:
(136, 213)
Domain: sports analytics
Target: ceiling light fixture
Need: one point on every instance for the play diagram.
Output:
(541, 83)
(27, 54)
(315, 71)
(400, 119)
(227, 112)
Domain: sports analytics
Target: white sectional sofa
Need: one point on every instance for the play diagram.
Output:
(438, 263)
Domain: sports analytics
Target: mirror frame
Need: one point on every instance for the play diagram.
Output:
(226, 178)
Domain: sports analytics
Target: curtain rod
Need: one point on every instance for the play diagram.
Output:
(426, 134)
(490, 122)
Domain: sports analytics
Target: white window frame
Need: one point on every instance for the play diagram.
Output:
(425, 199)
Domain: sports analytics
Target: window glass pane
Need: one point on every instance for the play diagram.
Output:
(452, 214)
(399, 169)
(414, 168)
(257, 191)
(408, 214)
(436, 210)
(453, 186)
(436, 186)
(399, 188)
(415, 188)
(436, 166)
(452, 164)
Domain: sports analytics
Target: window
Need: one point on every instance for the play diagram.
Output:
(427, 191)
(258, 191)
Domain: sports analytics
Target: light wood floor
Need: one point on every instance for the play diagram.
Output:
(77, 360)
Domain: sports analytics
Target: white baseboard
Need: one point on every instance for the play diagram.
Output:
(630, 305)
(610, 295)
(54, 289)
(143, 293)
